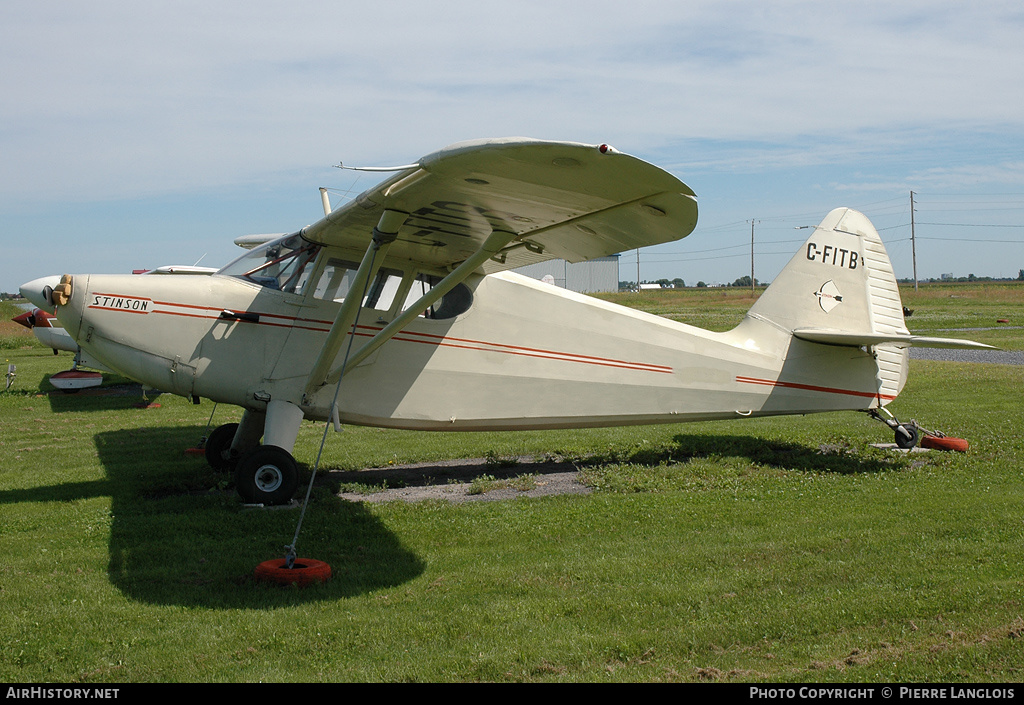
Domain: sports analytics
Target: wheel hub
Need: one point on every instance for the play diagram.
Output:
(269, 478)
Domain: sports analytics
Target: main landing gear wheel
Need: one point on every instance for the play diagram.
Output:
(218, 447)
(267, 475)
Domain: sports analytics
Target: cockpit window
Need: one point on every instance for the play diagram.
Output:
(283, 264)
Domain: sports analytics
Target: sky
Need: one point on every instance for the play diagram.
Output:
(134, 135)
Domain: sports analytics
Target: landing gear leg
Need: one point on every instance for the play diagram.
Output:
(250, 430)
(907, 434)
(268, 474)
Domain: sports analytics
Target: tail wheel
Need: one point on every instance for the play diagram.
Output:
(218, 447)
(906, 436)
(267, 475)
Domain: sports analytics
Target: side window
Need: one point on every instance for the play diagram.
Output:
(455, 302)
(382, 294)
(336, 280)
(420, 286)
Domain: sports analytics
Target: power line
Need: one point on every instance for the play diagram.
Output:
(998, 205)
(970, 239)
(977, 225)
(716, 249)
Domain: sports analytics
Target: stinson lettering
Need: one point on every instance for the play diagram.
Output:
(120, 303)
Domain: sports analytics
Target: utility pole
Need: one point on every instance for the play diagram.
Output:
(913, 238)
(638, 269)
(752, 257)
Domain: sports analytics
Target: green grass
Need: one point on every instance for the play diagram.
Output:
(717, 309)
(784, 549)
(969, 310)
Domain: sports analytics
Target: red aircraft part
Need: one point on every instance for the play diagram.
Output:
(37, 318)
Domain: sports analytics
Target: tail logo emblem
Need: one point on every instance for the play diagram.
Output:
(828, 296)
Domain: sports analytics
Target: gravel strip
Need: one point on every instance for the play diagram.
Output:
(995, 357)
(451, 480)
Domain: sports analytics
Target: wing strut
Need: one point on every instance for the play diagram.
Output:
(383, 235)
(490, 248)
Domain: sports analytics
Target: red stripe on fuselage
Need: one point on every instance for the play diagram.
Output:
(812, 388)
(313, 324)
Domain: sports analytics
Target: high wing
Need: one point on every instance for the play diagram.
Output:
(559, 199)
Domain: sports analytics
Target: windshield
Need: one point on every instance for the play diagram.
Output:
(282, 264)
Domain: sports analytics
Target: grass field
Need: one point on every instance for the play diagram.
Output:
(779, 550)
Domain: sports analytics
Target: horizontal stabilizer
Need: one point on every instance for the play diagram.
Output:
(838, 337)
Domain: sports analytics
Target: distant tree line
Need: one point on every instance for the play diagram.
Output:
(744, 281)
(678, 283)
(947, 279)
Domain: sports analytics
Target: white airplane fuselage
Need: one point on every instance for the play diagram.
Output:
(525, 355)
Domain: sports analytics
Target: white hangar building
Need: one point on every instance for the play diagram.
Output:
(592, 276)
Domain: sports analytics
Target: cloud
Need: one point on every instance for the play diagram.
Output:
(962, 178)
(185, 95)
(107, 102)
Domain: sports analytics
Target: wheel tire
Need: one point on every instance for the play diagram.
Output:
(904, 442)
(218, 447)
(267, 475)
(303, 572)
(944, 443)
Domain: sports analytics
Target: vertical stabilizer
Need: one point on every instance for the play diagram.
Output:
(842, 280)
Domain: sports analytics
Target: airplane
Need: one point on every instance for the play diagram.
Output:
(398, 310)
(42, 326)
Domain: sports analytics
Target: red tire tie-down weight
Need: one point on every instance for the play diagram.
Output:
(303, 572)
(944, 443)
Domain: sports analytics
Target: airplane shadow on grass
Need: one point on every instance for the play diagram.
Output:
(105, 398)
(784, 455)
(180, 536)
